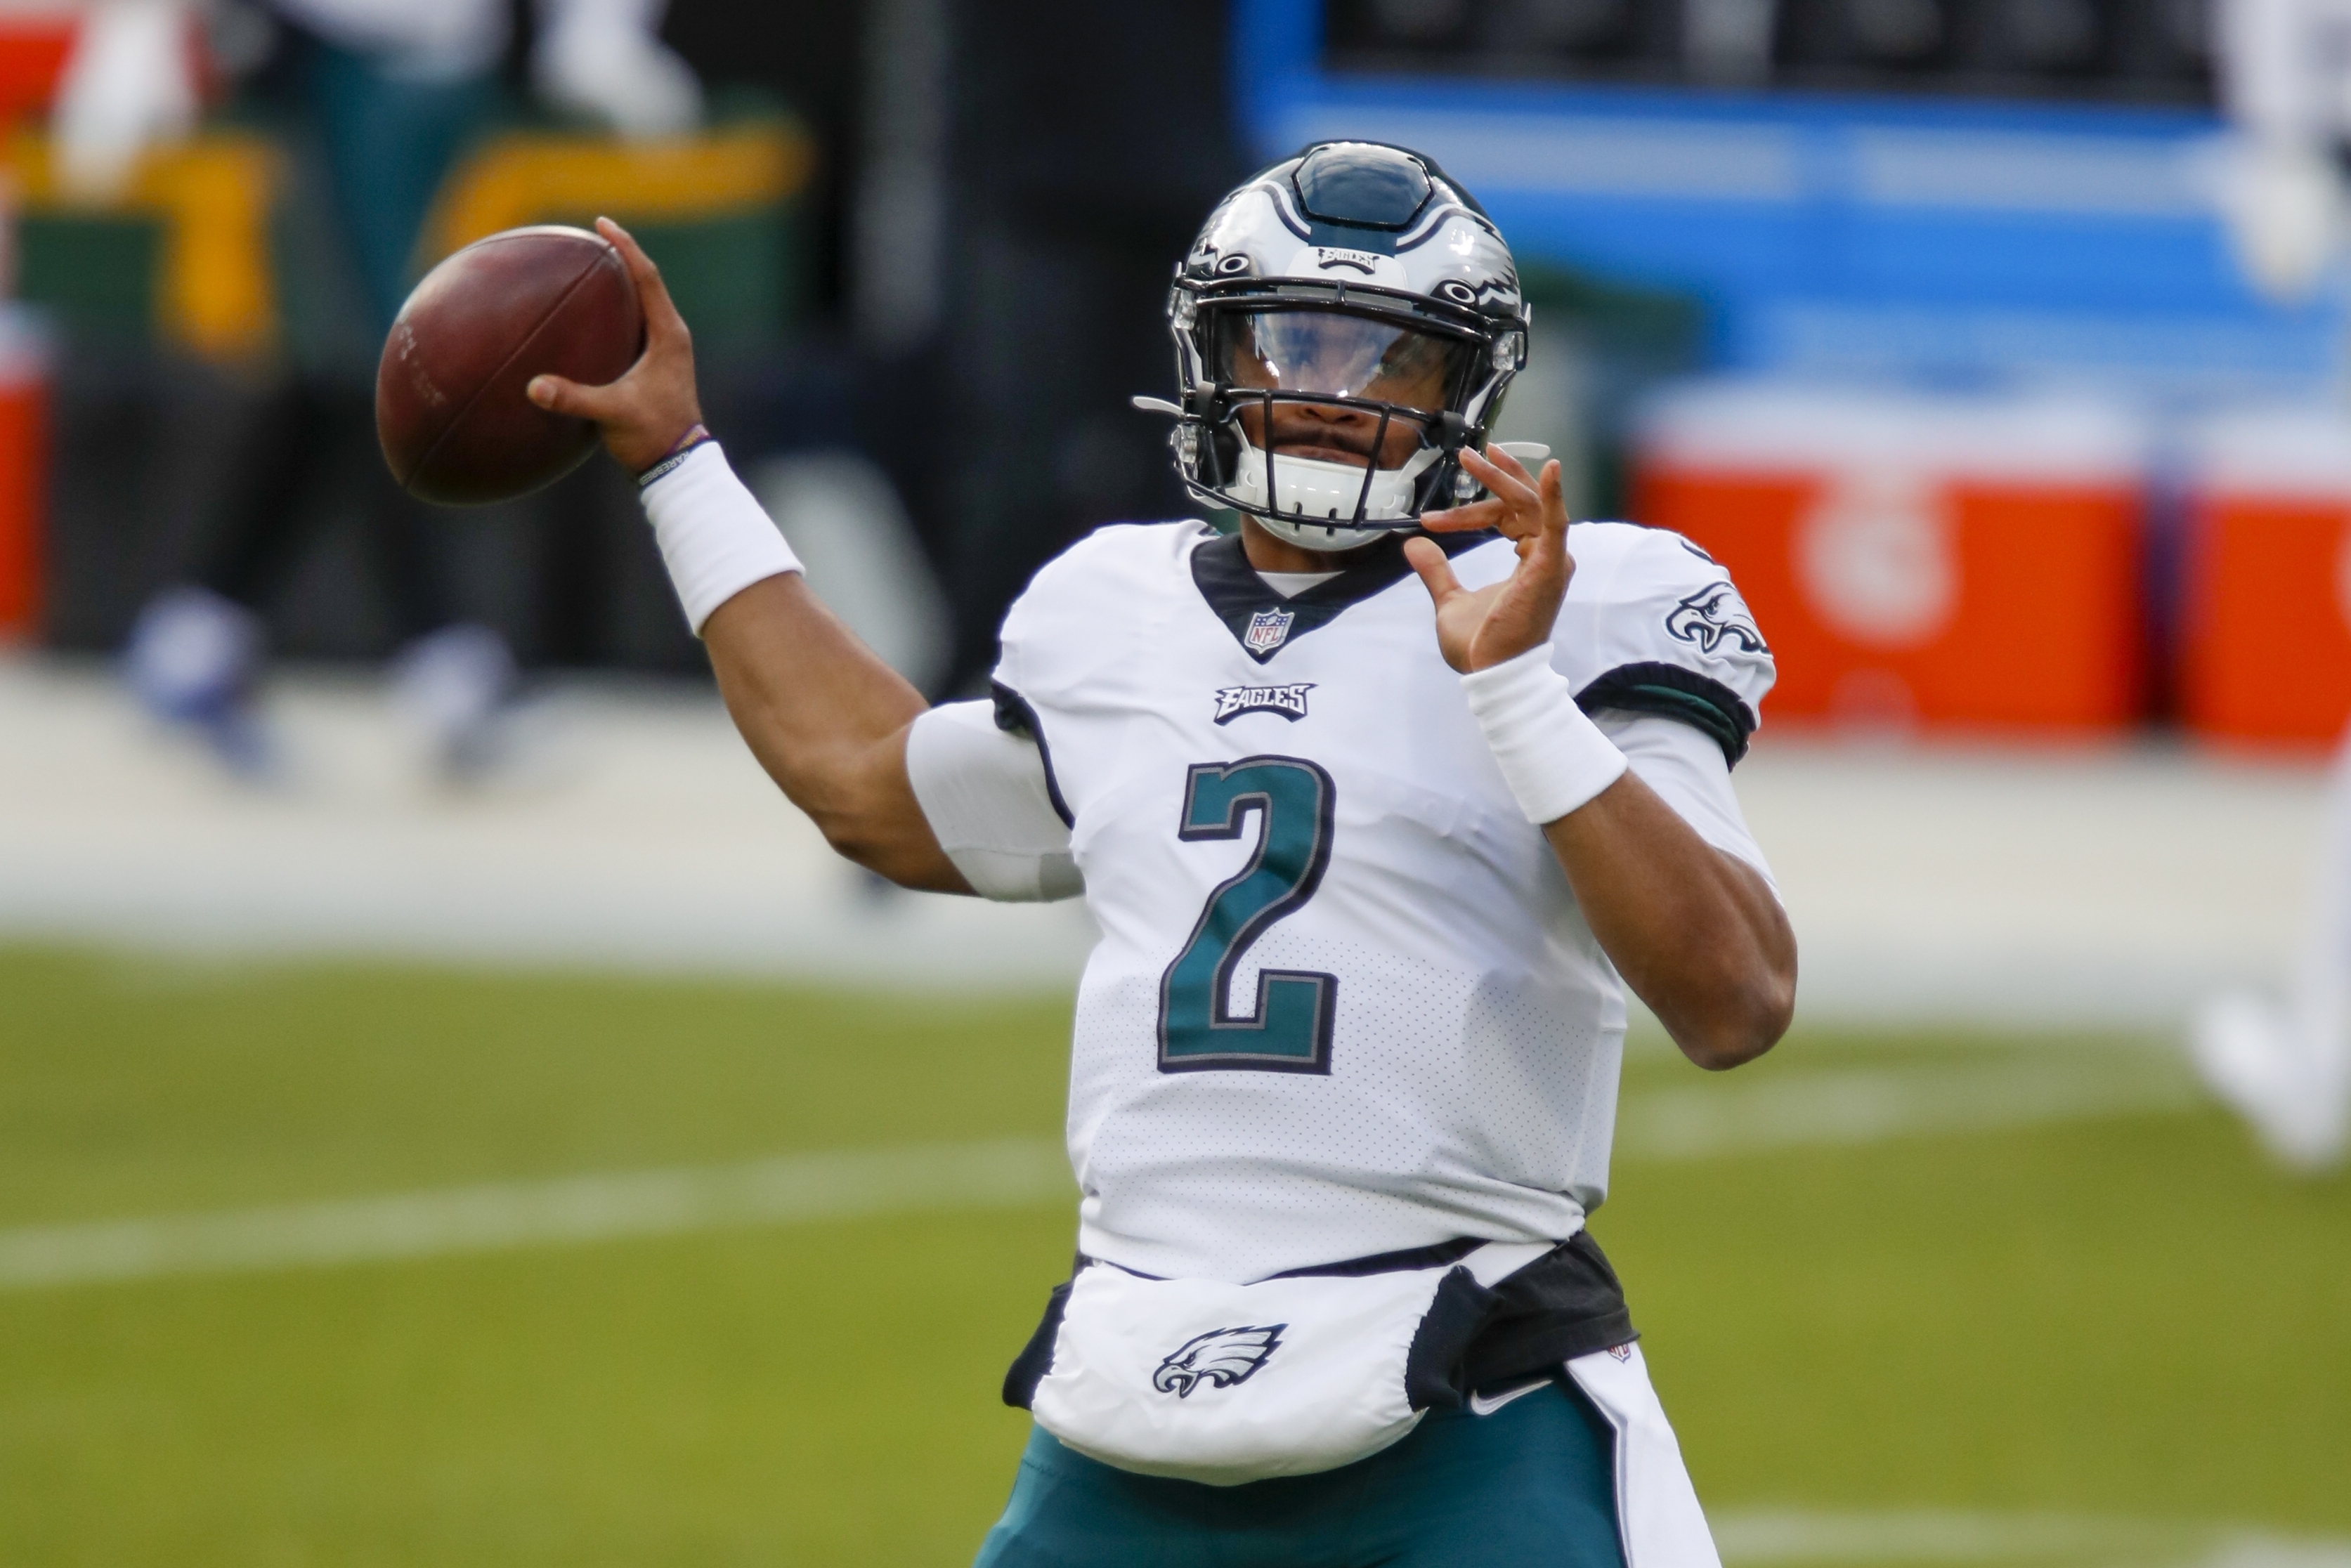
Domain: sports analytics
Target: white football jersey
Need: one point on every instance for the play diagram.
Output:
(1343, 1002)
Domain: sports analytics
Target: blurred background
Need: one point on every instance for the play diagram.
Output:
(453, 1111)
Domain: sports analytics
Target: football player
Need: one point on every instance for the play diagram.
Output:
(2285, 70)
(390, 92)
(2287, 1070)
(1379, 803)
(2285, 79)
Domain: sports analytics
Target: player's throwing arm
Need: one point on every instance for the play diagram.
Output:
(825, 716)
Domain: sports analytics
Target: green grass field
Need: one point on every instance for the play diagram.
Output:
(2127, 1317)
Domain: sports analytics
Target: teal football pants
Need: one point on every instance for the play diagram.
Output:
(1530, 1486)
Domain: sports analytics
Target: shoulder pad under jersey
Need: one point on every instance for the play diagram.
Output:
(1654, 624)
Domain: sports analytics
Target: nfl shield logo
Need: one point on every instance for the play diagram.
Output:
(1268, 630)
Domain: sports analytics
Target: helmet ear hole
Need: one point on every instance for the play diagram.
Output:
(1456, 291)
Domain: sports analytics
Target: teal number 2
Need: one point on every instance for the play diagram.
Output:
(1290, 1030)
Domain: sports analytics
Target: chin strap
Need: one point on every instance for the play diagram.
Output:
(1451, 430)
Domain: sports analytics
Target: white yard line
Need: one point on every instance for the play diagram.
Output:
(1822, 1108)
(1005, 1174)
(1766, 1537)
(1872, 1104)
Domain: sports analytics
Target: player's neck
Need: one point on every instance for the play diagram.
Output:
(1266, 553)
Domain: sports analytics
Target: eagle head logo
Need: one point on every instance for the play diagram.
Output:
(1218, 1359)
(1713, 615)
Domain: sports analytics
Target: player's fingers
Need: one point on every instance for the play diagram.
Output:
(663, 322)
(1508, 518)
(1554, 502)
(1508, 461)
(648, 278)
(1519, 506)
(1512, 484)
(558, 394)
(1543, 553)
(1435, 571)
(1464, 519)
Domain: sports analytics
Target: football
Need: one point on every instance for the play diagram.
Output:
(449, 405)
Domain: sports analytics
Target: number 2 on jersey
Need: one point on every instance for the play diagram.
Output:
(1291, 1030)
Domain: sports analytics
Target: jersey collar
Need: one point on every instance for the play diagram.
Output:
(1243, 601)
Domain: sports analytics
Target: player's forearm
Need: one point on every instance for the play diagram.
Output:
(827, 719)
(823, 715)
(1696, 934)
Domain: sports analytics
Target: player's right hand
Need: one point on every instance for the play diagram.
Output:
(648, 410)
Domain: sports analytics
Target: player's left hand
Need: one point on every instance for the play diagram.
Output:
(1476, 630)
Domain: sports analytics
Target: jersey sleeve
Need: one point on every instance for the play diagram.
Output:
(986, 793)
(1668, 635)
(1688, 773)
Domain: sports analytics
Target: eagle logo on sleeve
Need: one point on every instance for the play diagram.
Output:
(1715, 614)
(1218, 1359)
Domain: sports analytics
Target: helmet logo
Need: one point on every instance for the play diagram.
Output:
(1268, 630)
(1323, 260)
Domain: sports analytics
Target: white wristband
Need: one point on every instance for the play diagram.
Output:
(1552, 756)
(714, 537)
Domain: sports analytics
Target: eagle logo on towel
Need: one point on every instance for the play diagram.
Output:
(1219, 1359)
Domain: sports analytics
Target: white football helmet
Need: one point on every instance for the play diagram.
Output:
(1346, 323)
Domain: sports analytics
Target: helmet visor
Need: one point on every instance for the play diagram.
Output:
(1337, 355)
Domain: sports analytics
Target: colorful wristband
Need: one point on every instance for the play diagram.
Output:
(714, 537)
(674, 456)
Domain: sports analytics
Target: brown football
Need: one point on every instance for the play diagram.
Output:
(449, 403)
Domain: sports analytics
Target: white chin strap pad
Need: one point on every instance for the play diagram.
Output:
(1315, 537)
(1317, 499)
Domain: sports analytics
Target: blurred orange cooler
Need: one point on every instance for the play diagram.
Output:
(35, 40)
(1918, 558)
(35, 37)
(24, 469)
(2266, 615)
